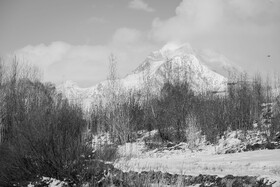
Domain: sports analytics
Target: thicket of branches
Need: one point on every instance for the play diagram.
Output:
(41, 133)
(180, 114)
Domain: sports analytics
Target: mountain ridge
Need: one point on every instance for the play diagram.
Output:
(172, 62)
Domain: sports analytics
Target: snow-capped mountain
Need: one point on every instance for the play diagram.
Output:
(176, 62)
(205, 71)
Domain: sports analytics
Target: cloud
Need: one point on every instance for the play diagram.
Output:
(126, 35)
(197, 18)
(61, 61)
(87, 64)
(242, 30)
(131, 46)
(140, 5)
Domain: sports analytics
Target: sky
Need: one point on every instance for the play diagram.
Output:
(72, 40)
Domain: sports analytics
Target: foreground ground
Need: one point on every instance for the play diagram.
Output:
(255, 163)
(172, 164)
(183, 161)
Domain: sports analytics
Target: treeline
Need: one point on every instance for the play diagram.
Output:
(41, 133)
(180, 114)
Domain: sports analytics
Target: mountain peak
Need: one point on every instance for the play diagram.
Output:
(172, 49)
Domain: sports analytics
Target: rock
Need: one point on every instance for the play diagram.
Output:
(170, 144)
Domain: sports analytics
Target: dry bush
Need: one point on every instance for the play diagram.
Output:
(107, 152)
(42, 132)
(192, 133)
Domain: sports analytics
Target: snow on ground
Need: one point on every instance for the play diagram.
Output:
(255, 163)
(51, 182)
(262, 163)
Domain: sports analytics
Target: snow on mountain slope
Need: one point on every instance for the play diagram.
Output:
(203, 70)
(177, 63)
(78, 95)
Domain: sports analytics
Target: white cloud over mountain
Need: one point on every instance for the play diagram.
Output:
(140, 5)
(217, 18)
(86, 64)
(61, 61)
(242, 30)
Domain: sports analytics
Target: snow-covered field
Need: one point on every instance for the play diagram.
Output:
(262, 163)
(206, 159)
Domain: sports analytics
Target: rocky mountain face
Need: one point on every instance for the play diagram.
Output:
(204, 70)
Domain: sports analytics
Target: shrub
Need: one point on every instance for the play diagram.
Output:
(107, 152)
(171, 109)
(43, 134)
